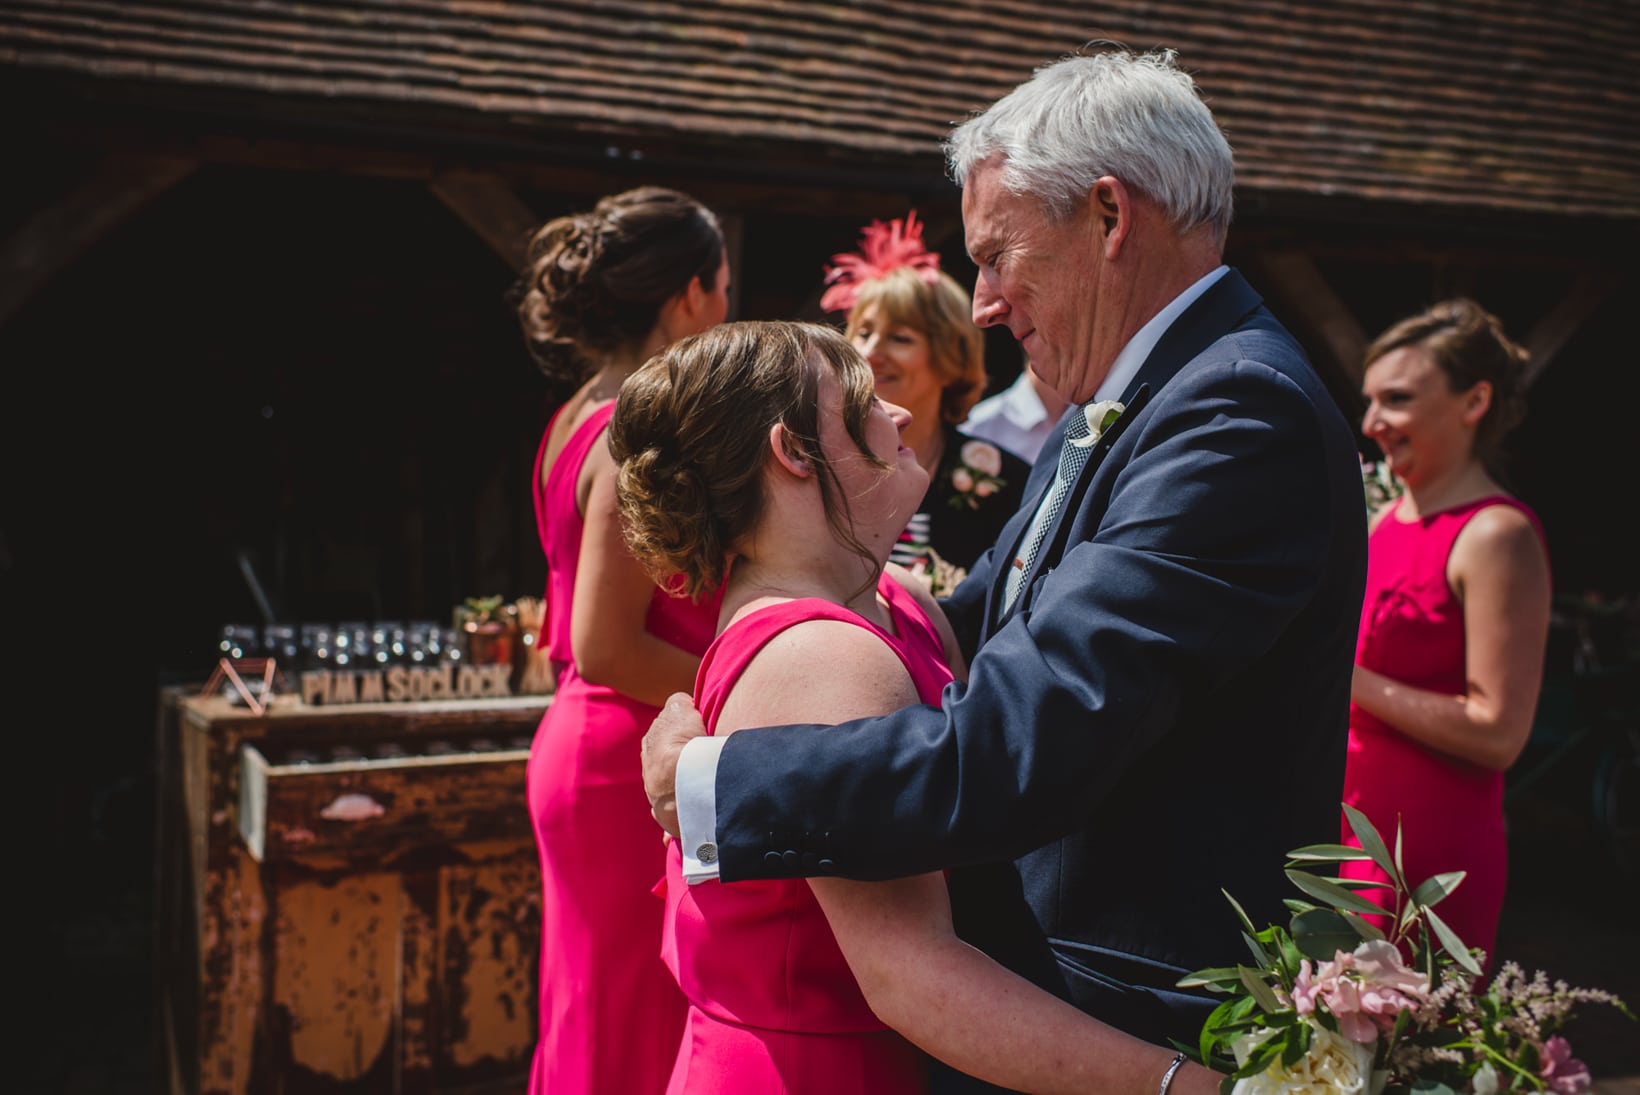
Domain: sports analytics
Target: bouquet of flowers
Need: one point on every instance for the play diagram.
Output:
(1330, 1004)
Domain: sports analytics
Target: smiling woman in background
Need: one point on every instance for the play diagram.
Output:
(1449, 657)
(913, 324)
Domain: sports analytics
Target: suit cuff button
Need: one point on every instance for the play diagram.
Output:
(828, 867)
(790, 859)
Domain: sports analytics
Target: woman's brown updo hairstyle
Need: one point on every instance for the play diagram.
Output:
(943, 312)
(1469, 345)
(691, 435)
(594, 282)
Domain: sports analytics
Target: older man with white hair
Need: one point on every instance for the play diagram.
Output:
(1162, 639)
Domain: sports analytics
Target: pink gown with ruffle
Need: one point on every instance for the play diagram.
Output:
(611, 1015)
(1450, 811)
(773, 1008)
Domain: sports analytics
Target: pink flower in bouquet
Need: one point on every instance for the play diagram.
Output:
(1564, 1074)
(1363, 990)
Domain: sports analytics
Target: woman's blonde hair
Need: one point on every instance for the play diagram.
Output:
(691, 435)
(943, 311)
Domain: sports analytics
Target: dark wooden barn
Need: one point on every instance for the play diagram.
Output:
(256, 254)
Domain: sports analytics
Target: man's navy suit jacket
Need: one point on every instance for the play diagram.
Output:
(1161, 715)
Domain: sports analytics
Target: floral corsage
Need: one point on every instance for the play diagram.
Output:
(977, 476)
(1101, 416)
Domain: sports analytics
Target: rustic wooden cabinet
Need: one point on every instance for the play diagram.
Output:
(348, 897)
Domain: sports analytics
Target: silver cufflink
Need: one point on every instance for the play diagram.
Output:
(707, 852)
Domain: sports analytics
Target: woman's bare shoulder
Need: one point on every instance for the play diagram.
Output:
(818, 671)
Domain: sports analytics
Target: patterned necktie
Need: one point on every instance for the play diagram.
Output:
(1072, 459)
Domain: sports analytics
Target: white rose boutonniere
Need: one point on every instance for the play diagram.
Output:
(977, 476)
(1100, 415)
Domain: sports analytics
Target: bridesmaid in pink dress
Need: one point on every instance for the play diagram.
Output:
(755, 458)
(1456, 613)
(602, 293)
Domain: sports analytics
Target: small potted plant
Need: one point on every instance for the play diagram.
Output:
(489, 628)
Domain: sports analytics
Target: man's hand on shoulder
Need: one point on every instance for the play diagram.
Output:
(677, 725)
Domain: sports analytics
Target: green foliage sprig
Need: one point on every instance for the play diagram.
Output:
(1330, 1002)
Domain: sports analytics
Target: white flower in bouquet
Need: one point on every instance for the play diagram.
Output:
(1334, 1064)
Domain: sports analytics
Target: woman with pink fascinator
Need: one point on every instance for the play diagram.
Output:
(912, 322)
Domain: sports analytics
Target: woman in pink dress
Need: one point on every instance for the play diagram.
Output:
(604, 291)
(755, 458)
(1449, 657)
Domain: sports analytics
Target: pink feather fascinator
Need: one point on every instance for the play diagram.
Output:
(883, 249)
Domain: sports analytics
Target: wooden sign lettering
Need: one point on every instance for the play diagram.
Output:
(332, 687)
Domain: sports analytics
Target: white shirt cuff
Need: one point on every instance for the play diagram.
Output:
(696, 787)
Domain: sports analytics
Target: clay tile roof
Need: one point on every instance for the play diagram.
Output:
(1493, 106)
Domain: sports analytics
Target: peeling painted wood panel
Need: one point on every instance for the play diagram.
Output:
(410, 968)
(370, 810)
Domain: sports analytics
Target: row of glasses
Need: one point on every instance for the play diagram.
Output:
(349, 644)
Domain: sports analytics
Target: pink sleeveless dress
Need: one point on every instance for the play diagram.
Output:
(1450, 811)
(773, 1008)
(610, 1013)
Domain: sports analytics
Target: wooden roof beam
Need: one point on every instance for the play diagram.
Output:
(1302, 286)
(490, 207)
(57, 235)
(1588, 291)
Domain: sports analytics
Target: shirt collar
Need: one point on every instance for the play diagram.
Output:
(1133, 355)
(1021, 404)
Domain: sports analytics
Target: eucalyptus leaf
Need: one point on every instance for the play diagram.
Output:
(1321, 933)
(1454, 946)
(1328, 853)
(1372, 843)
(1225, 978)
(1296, 906)
(1241, 914)
(1366, 929)
(1265, 998)
(1432, 890)
(1333, 894)
(1261, 957)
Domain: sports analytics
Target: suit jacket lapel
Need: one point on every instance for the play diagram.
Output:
(1211, 316)
(1054, 546)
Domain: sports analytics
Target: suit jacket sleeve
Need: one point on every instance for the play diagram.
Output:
(1187, 561)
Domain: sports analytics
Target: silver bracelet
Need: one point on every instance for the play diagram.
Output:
(1167, 1077)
